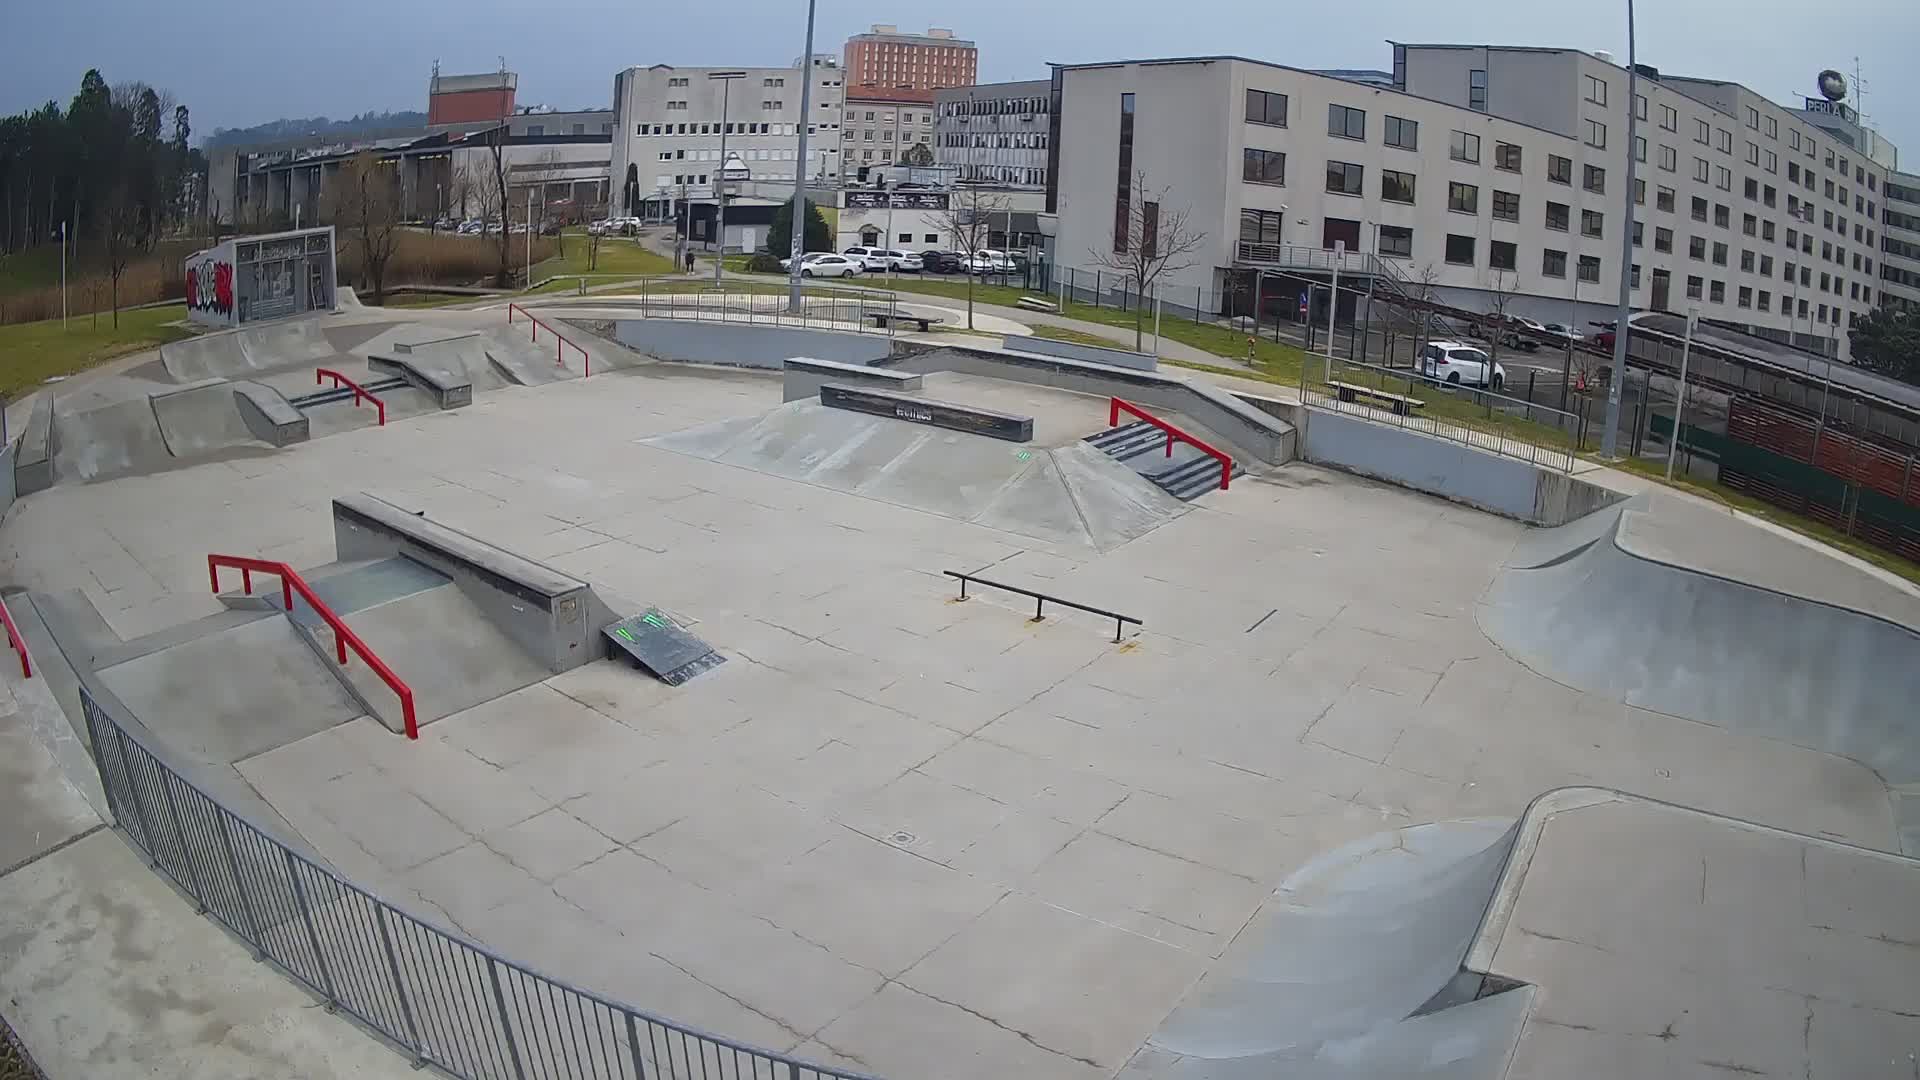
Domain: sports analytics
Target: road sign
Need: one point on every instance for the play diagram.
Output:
(660, 645)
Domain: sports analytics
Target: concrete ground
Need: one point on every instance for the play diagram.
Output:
(920, 837)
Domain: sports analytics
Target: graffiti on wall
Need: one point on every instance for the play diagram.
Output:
(210, 287)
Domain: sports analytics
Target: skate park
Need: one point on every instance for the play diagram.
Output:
(1378, 784)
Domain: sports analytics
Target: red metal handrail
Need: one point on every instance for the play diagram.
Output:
(343, 635)
(322, 374)
(17, 641)
(560, 340)
(1113, 418)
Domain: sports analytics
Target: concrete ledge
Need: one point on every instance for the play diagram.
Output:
(406, 348)
(553, 616)
(944, 414)
(451, 388)
(269, 415)
(744, 344)
(1071, 350)
(33, 460)
(805, 375)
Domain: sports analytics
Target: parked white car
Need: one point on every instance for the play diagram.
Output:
(1461, 365)
(1562, 331)
(989, 261)
(904, 262)
(872, 259)
(829, 265)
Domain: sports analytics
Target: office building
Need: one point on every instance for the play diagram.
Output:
(1491, 176)
(995, 132)
(883, 126)
(1900, 243)
(886, 57)
(668, 130)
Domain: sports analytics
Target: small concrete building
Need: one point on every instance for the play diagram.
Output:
(250, 279)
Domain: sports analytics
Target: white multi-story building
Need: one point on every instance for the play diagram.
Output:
(1900, 242)
(1492, 176)
(882, 126)
(996, 132)
(668, 129)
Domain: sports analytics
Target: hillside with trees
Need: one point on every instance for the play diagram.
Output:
(367, 123)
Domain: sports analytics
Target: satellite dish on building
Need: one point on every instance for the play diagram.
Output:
(1833, 85)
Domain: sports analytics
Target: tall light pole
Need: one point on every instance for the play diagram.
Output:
(725, 79)
(1680, 398)
(800, 169)
(1609, 440)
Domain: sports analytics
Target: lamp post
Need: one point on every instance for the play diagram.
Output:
(725, 79)
(800, 169)
(1680, 398)
(1609, 439)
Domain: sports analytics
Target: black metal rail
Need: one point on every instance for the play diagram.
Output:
(1041, 600)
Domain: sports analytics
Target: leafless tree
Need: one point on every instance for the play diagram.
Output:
(493, 195)
(121, 231)
(1158, 238)
(363, 200)
(968, 219)
(1502, 287)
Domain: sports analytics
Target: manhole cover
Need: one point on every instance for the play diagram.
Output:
(902, 838)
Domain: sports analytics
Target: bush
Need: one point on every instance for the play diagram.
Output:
(765, 262)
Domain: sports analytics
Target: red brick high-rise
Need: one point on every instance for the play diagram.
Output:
(886, 58)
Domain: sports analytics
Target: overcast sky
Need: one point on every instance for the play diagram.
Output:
(241, 62)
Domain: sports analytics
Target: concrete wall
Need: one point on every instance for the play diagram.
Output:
(744, 346)
(1092, 354)
(34, 461)
(1451, 470)
(6, 479)
(804, 376)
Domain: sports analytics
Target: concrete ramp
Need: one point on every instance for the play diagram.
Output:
(1811, 655)
(444, 647)
(1345, 970)
(202, 419)
(519, 359)
(1069, 495)
(113, 440)
(238, 353)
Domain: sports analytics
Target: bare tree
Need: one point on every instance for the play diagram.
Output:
(363, 199)
(122, 229)
(1157, 238)
(1502, 288)
(968, 219)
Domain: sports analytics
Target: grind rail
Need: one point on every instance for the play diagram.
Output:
(561, 341)
(1173, 434)
(1041, 600)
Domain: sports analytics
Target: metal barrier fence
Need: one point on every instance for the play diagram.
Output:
(445, 1000)
(1508, 426)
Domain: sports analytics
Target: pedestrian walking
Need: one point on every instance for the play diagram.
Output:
(689, 260)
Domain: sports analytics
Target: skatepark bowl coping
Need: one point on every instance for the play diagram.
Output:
(343, 635)
(1173, 433)
(561, 341)
(321, 375)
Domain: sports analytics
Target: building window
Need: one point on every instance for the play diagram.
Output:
(1404, 134)
(1699, 208)
(1640, 106)
(1723, 139)
(1640, 148)
(1476, 90)
(1592, 222)
(1553, 263)
(1753, 118)
(1773, 162)
(1558, 215)
(1722, 215)
(1346, 123)
(1506, 156)
(1639, 192)
(1596, 134)
(1702, 171)
(1266, 108)
(1344, 178)
(1460, 249)
(1669, 158)
(1463, 198)
(1590, 268)
(1663, 240)
(1264, 167)
(1261, 226)
(1719, 253)
(1766, 266)
(1463, 147)
(1502, 255)
(1559, 169)
(1747, 261)
(1766, 300)
(1751, 188)
(1396, 186)
(1695, 286)
(1723, 178)
(1396, 240)
(1753, 153)
(1506, 205)
(1702, 132)
(1750, 225)
(1634, 272)
(1697, 248)
(1596, 90)
(1717, 293)
(1123, 188)
(1669, 118)
(1594, 179)
(1769, 195)
(1663, 199)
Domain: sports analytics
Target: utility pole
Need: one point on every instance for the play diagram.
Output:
(529, 237)
(725, 79)
(1609, 439)
(800, 168)
(63, 277)
(1680, 399)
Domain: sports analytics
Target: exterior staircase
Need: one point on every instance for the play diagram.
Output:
(1186, 475)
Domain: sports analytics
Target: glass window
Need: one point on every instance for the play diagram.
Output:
(1640, 106)
(1699, 208)
(1590, 268)
(1594, 179)
(1396, 240)
(1695, 286)
(1723, 139)
(1717, 293)
(1702, 131)
(1463, 147)
(1596, 90)
(1639, 234)
(1723, 178)
(1751, 188)
(1502, 255)
(1476, 90)
(1266, 108)
(1596, 134)
(1460, 249)
(1750, 225)
(1553, 263)
(1747, 261)
(1663, 239)
(1663, 199)
(1719, 253)
(1702, 171)
(1753, 153)
(1639, 192)
(1261, 226)
(1463, 198)
(1558, 214)
(1559, 169)
(1639, 148)
(1669, 158)
(1753, 118)
(1344, 178)
(1506, 205)
(1506, 156)
(1396, 186)
(1669, 118)
(1697, 248)
(1766, 300)
(1264, 167)
(1722, 215)
(1773, 162)
(1402, 133)
(1592, 222)
(1346, 123)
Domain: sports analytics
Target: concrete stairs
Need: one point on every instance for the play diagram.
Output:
(1186, 475)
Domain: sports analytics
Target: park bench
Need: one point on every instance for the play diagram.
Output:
(1401, 404)
(1034, 303)
(924, 322)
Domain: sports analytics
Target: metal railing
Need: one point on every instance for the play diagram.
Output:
(561, 341)
(1173, 434)
(343, 635)
(1486, 420)
(447, 1001)
(1041, 600)
(321, 375)
(16, 641)
(861, 311)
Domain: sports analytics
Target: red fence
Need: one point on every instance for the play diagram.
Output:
(343, 635)
(560, 340)
(1173, 433)
(321, 375)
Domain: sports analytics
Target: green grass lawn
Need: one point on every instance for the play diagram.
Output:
(30, 353)
(428, 300)
(618, 256)
(1078, 337)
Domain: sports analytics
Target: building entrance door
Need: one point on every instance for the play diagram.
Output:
(1662, 282)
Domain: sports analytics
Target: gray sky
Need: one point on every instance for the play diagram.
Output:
(240, 62)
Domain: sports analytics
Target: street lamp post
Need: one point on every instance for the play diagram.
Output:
(725, 79)
(800, 169)
(1610, 438)
(1680, 398)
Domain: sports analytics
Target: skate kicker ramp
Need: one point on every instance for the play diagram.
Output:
(1683, 610)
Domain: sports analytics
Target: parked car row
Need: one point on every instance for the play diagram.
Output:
(625, 226)
(858, 260)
